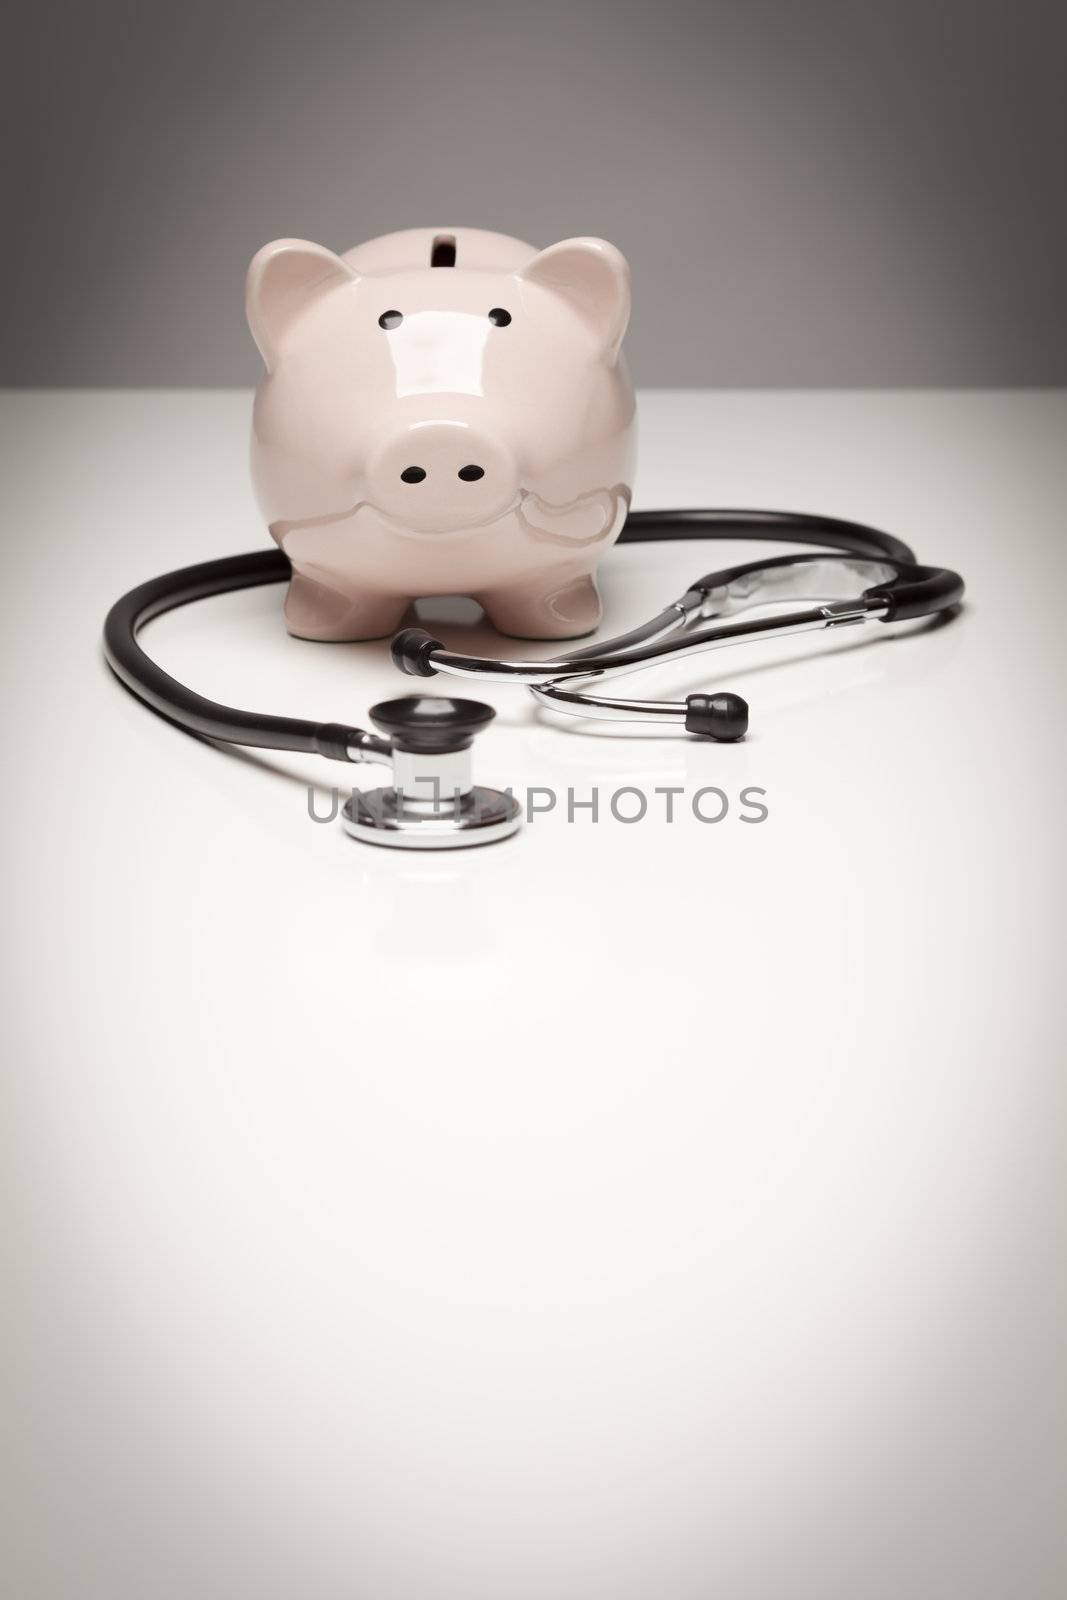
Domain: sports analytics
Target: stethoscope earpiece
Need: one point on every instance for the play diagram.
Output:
(717, 716)
(411, 650)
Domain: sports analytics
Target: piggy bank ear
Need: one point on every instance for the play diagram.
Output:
(594, 277)
(284, 280)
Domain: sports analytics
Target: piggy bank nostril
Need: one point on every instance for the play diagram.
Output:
(471, 474)
(412, 475)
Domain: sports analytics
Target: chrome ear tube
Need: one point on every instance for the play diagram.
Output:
(699, 620)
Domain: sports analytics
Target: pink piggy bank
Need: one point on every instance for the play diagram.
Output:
(443, 412)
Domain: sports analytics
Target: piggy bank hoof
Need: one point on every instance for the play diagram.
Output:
(312, 611)
(565, 613)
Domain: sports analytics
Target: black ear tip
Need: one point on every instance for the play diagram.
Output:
(717, 716)
(411, 651)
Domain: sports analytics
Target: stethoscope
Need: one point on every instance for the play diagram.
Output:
(863, 575)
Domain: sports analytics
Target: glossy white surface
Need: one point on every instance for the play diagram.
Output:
(622, 1210)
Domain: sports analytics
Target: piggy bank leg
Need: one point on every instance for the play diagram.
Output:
(563, 613)
(313, 611)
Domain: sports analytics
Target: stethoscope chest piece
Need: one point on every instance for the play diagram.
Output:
(432, 803)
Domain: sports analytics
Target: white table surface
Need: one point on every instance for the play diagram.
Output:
(621, 1211)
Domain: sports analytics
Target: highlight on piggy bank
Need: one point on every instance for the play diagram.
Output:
(443, 411)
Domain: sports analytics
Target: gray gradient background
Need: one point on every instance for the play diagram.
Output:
(836, 193)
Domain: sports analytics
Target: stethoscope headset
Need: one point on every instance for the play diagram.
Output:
(861, 575)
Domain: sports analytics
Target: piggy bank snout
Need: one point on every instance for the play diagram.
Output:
(438, 476)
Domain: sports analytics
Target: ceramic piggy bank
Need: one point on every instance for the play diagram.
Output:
(443, 412)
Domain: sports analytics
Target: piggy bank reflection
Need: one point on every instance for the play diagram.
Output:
(443, 412)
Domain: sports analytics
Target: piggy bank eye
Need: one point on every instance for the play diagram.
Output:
(500, 316)
(390, 319)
